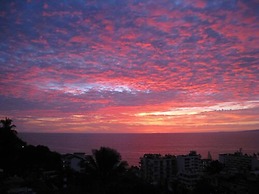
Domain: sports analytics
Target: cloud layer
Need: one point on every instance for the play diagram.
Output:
(130, 66)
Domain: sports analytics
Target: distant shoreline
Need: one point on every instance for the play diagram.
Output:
(241, 131)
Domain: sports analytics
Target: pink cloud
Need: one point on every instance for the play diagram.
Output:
(102, 67)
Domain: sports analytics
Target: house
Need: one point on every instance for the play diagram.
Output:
(74, 161)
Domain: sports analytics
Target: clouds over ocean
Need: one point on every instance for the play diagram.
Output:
(111, 61)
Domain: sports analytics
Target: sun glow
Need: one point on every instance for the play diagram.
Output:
(225, 106)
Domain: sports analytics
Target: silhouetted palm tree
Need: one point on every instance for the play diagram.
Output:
(7, 125)
(10, 144)
(105, 165)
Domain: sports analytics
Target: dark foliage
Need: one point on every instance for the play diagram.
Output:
(39, 157)
(105, 163)
(10, 144)
(17, 157)
(105, 167)
(214, 167)
(203, 187)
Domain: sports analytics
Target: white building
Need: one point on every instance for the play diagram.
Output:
(239, 162)
(158, 169)
(74, 161)
(189, 162)
(189, 169)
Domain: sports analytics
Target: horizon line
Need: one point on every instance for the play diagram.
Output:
(252, 130)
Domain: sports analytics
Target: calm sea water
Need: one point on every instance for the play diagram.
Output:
(133, 146)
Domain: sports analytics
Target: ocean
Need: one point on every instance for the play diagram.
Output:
(133, 146)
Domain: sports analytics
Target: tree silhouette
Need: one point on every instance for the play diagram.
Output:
(106, 163)
(18, 157)
(7, 125)
(8, 136)
(105, 166)
(10, 144)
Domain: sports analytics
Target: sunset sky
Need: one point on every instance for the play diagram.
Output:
(130, 65)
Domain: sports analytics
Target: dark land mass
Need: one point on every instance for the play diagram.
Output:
(35, 169)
